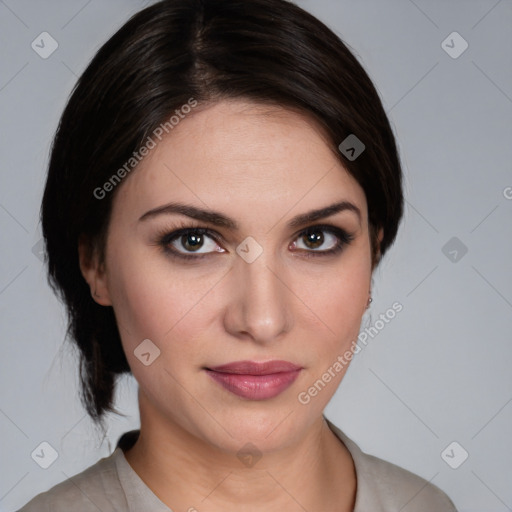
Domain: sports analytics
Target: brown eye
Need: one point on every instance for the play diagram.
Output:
(313, 239)
(321, 240)
(318, 239)
(192, 241)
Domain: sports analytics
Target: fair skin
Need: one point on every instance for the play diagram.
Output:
(261, 167)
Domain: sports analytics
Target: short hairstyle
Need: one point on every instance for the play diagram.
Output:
(268, 51)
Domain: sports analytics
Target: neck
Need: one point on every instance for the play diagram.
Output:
(186, 473)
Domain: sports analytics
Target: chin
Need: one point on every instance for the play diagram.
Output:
(267, 428)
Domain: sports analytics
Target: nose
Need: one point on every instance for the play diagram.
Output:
(260, 307)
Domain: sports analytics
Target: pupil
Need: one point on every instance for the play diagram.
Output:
(314, 239)
(192, 241)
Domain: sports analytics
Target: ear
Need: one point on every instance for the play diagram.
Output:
(93, 271)
(377, 255)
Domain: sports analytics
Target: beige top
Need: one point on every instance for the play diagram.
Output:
(111, 485)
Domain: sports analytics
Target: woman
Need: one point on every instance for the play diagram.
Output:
(222, 184)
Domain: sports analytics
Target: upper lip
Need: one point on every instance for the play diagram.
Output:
(255, 367)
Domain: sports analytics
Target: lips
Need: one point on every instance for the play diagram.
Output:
(255, 380)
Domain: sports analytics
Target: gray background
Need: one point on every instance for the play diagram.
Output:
(438, 372)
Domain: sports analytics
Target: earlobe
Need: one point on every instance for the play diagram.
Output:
(93, 272)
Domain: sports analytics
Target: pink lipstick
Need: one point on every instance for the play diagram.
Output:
(255, 380)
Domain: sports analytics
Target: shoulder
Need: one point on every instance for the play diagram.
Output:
(96, 488)
(395, 486)
(383, 486)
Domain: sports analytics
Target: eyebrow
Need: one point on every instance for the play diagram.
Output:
(221, 220)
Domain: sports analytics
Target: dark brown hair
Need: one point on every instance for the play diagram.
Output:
(269, 51)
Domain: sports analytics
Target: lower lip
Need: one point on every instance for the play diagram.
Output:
(255, 387)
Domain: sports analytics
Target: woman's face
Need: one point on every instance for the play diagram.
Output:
(265, 290)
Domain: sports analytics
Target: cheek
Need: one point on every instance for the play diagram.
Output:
(339, 298)
(341, 315)
(138, 303)
(153, 302)
(339, 301)
(142, 300)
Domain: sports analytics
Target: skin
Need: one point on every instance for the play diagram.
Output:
(260, 166)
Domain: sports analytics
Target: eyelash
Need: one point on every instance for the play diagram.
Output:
(165, 238)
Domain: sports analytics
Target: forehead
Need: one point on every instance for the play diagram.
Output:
(244, 154)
